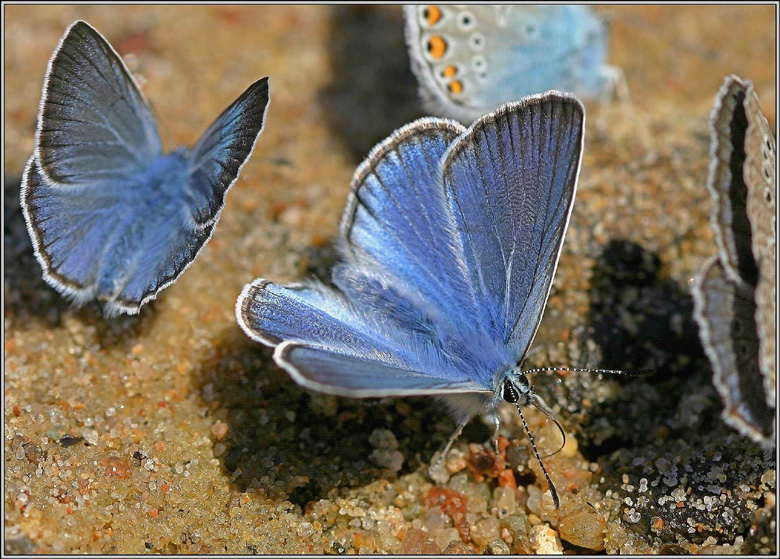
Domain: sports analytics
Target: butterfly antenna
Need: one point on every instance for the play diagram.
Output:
(545, 409)
(553, 491)
(631, 373)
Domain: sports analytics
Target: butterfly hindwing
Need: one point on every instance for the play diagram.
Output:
(330, 372)
(67, 231)
(470, 59)
(724, 311)
(94, 123)
(334, 341)
(118, 243)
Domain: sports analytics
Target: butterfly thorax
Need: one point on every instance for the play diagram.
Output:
(164, 178)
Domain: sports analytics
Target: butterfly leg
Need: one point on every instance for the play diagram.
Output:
(615, 85)
(436, 470)
(491, 418)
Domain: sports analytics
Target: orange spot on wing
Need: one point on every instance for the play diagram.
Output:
(455, 86)
(449, 71)
(437, 47)
(432, 15)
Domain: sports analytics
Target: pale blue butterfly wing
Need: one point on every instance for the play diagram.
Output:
(119, 242)
(68, 229)
(333, 347)
(217, 158)
(121, 222)
(511, 183)
(397, 217)
(326, 371)
(471, 59)
(94, 123)
(421, 343)
(310, 313)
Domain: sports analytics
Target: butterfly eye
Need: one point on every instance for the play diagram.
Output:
(515, 388)
(509, 392)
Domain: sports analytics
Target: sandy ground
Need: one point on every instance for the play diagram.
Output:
(193, 441)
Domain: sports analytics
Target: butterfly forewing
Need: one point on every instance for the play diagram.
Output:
(94, 123)
(217, 158)
(397, 216)
(760, 175)
(510, 182)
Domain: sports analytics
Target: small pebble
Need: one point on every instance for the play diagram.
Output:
(418, 542)
(90, 435)
(498, 547)
(545, 541)
(583, 528)
(458, 548)
(484, 531)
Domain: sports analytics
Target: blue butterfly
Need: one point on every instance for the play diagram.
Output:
(470, 59)
(110, 215)
(449, 244)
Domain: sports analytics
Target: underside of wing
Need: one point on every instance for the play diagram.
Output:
(760, 176)
(726, 183)
(510, 181)
(94, 124)
(470, 59)
(724, 311)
